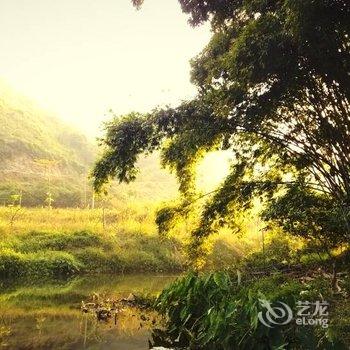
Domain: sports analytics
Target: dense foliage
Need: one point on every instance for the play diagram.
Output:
(213, 311)
(60, 254)
(273, 87)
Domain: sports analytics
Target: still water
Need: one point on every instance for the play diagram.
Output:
(48, 315)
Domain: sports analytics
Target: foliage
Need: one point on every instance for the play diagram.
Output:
(12, 263)
(215, 312)
(128, 239)
(268, 95)
(310, 215)
(48, 263)
(19, 258)
(69, 242)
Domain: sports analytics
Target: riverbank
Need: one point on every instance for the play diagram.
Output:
(295, 310)
(68, 242)
(39, 242)
(55, 254)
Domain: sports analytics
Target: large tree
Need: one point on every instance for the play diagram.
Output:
(274, 88)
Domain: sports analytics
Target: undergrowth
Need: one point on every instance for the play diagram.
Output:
(64, 254)
(217, 311)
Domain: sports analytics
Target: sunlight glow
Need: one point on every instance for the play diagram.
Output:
(81, 58)
(213, 169)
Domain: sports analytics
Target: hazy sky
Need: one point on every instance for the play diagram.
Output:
(79, 58)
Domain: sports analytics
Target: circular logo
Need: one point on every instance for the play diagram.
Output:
(280, 314)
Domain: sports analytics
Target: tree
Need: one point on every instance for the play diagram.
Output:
(274, 87)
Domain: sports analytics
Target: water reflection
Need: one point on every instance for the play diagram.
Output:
(47, 315)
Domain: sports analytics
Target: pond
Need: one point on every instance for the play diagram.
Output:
(48, 315)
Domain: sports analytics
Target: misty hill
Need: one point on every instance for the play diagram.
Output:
(41, 157)
(39, 154)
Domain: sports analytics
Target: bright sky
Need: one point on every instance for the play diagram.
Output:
(79, 58)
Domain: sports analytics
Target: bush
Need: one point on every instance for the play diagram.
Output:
(97, 260)
(64, 254)
(141, 261)
(279, 251)
(35, 241)
(53, 264)
(12, 264)
(93, 259)
(212, 311)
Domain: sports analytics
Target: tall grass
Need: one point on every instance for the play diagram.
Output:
(39, 241)
(15, 220)
(61, 242)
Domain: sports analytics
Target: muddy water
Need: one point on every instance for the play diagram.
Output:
(47, 315)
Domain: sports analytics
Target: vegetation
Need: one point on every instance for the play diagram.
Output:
(269, 93)
(214, 311)
(46, 163)
(61, 243)
(269, 98)
(111, 240)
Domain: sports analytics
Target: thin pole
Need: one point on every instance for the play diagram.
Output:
(93, 200)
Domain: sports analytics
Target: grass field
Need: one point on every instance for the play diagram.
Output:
(57, 242)
(43, 242)
(15, 220)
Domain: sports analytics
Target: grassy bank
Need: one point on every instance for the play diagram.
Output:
(56, 242)
(63, 254)
(41, 242)
(220, 311)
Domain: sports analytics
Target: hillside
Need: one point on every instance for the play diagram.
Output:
(42, 158)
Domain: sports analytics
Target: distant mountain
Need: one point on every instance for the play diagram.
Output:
(39, 154)
(42, 160)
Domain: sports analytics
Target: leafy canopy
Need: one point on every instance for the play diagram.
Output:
(273, 87)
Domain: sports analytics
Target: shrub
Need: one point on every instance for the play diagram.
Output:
(53, 263)
(12, 264)
(62, 254)
(97, 260)
(141, 261)
(36, 241)
(212, 311)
